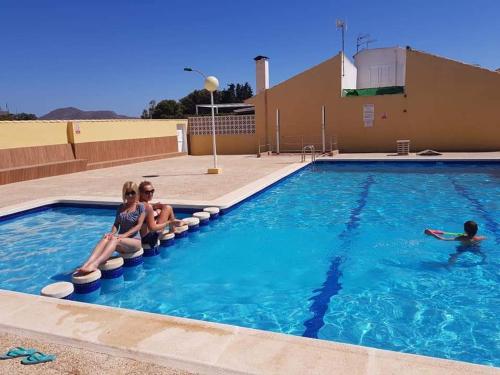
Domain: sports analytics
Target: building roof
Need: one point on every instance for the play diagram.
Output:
(230, 105)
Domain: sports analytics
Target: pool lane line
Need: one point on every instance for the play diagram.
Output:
(491, 224)
(331, 286)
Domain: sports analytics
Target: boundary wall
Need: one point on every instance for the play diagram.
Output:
(235, 135)
(447, 106)
(35, 149)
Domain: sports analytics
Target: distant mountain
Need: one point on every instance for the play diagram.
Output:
(72, 113)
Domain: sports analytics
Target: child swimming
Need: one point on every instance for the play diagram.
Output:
(469, 241)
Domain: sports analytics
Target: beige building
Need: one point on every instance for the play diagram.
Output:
(434, 102)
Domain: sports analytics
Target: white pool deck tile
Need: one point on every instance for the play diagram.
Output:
(185, 344)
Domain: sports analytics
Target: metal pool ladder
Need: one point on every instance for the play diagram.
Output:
(313, 153)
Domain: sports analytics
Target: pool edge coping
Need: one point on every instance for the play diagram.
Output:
(397, 359)
(205, 347)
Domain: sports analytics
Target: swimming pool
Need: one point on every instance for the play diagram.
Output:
(335, 251)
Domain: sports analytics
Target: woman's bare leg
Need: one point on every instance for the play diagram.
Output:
(128, 245)
(96, 252)
(165, 214)
(102, 257)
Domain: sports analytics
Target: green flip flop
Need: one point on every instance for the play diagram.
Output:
(17, 352)
(38, 357)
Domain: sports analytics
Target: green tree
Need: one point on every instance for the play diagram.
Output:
(148, 113)
(186, 106)
(18, 116)
(243, 92)
(25, 116)
(190, 101)
(229, 94)
(168, 109)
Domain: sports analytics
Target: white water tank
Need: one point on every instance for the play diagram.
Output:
(380, 67)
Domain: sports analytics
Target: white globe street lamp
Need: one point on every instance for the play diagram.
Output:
(211, 84)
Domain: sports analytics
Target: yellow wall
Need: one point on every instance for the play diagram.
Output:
(299, 101)
(14, 134)
(226, 144)
(447, 105)
(109, 130)
(452, 106)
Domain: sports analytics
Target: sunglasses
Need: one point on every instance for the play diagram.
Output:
(129, 193)
(149, 191)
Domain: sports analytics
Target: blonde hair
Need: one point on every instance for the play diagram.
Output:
(127, 186)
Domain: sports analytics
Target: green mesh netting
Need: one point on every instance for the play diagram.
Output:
(374, 91)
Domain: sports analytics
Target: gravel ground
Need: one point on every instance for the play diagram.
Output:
(70, 360)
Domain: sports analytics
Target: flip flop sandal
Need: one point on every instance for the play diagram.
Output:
(38, 357)
(17, 352)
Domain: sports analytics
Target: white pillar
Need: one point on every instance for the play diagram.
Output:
(277, 131)
(214, 148)
(323, 124)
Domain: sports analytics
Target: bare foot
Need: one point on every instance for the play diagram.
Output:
(178, 223)
(86, 269)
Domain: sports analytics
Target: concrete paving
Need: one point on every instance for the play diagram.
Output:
(183, 177)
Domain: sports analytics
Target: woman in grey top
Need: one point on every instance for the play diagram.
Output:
(124, 236)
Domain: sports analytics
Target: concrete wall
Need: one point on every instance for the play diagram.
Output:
(226, 144)
(35, 149)
(235, 134)
(452, 106)
(299, 100)
(110, 130)
(15, 134)
(447, 105)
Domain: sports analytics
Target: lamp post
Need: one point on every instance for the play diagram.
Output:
(211, 84)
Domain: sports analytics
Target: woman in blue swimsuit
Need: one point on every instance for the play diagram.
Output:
(124, 236)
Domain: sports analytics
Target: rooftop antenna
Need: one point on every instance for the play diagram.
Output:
(363, 39)
(370, 41)
(341, 24)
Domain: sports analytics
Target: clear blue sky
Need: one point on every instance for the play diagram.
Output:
(119, 54)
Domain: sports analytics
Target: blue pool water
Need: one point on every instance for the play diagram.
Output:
(335, 252)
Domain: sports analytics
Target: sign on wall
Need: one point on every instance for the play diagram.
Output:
(368, 115)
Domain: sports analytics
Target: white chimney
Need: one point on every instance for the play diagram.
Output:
(262, 73)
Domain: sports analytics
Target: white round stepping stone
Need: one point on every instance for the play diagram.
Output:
(212, 210)
(86, 279)
(165, 236)
(181, 229)
(61, 289)
(133, 255)
(192, 222)
(202, 215)
(112, 264)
